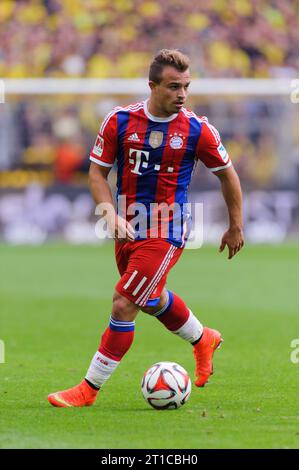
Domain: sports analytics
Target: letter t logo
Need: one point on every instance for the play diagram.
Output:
(137, 160)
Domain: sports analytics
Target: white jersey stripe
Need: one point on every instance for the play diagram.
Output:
(133, 108)
(158, 278)
(156, 274)
(115, 110)
(221, 167)
(190, 114)
(213, 130)
(130, 279)
(99, 162)
(106, 119)
(146, 293)
(139, 285)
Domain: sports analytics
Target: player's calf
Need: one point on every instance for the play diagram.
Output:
(180, 320)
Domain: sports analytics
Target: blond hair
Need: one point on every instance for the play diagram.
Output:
(167, 57)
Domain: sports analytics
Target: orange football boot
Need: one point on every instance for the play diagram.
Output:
(80, 395)
(203, 352)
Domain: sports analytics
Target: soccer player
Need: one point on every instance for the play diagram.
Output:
(155, 144)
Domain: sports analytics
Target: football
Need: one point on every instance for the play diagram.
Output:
(166, 385)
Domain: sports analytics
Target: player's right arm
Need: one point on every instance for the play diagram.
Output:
(102, 158)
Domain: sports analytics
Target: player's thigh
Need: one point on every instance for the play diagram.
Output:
(146, 273)
(121, 251)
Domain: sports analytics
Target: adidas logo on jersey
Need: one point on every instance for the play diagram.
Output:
(134, 137)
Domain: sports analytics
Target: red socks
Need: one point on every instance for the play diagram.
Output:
(174, 314)
(117, 339)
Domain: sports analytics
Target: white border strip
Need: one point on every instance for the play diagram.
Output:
(121, 323)
(139, 86)
(2, 92)
(221, 167)
(100, 163)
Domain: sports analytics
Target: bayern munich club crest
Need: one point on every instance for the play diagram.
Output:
(176, 141)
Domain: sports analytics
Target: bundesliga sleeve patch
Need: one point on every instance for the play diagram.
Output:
(98, 146)
(223, 153)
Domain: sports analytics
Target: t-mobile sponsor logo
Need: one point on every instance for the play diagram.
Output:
(138, 158)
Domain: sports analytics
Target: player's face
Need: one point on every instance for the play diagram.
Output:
(171, 93)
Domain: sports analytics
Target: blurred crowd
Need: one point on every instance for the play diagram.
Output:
(57, 135)
(104, 38)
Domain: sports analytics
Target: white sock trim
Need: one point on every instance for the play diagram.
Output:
(100, 369)
(192, 330)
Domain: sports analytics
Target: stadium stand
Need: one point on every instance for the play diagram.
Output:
(46, 139)
(100, 38)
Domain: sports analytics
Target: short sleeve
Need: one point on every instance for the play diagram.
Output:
(104, 150)
(210, 149)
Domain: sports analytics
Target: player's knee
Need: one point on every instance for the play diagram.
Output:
(152, 310)
(162, 301)
(149, 310)
(123, 309)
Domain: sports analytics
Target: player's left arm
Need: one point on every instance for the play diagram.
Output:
(233, 238)
(213, 154)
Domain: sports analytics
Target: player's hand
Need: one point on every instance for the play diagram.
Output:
(120, 229)
(233, 238)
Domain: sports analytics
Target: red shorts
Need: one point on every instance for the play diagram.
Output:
(143, 266)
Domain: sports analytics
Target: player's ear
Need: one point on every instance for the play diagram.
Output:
(152, 85)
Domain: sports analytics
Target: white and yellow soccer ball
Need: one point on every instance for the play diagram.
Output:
(166, 385)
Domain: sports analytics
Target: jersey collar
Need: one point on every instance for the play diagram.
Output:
(155, 118)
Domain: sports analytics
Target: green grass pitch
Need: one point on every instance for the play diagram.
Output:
(55, 303)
